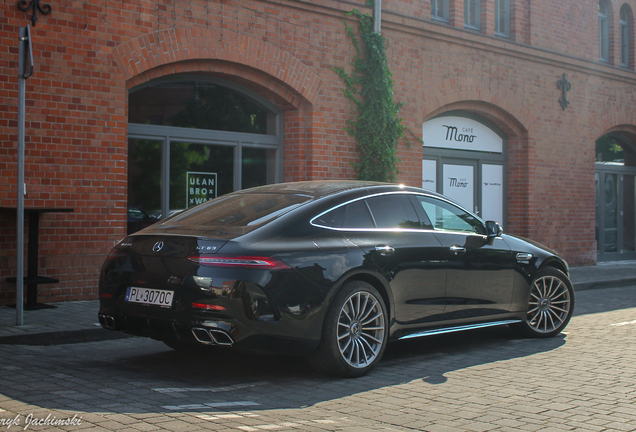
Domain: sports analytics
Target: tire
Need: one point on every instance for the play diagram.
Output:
(550, 305)
(354, 333)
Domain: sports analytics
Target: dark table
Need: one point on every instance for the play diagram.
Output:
(33, 280)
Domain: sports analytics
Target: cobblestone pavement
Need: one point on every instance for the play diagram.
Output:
(484, 380)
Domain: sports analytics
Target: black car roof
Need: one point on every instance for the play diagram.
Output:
(322, 188)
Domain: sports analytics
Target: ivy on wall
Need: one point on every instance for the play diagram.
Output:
(377, 126)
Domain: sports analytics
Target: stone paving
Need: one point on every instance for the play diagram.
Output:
(487, 380)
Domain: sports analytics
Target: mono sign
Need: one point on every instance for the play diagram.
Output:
(460, 133)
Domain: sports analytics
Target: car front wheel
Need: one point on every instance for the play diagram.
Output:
(550, 305)
(354, 334)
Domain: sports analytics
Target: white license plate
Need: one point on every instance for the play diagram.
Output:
(149, 296)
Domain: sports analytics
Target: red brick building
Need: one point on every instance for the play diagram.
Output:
(132, 103)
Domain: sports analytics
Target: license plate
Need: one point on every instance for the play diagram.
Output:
(149, 296)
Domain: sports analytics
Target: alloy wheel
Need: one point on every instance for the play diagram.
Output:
(550, 304)
(361, 329)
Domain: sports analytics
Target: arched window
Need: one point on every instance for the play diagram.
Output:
(192, 138)
(603, 31)
(472, 14)
(439, 10)
(624, 35)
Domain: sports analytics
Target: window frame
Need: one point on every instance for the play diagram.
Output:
(445, 16)
(624, 34)
(414, 199)
(472, 21)
(506, 17)
(603, 31)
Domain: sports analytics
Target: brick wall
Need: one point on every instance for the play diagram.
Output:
(89, 54)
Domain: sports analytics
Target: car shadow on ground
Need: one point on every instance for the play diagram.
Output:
(138, 369)
(138, 375)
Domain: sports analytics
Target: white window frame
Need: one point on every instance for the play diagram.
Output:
(603, 31)
(472, 20)
(624, 36)
(435, 7)
(502, 18)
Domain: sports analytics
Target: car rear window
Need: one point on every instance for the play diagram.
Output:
(240, 210)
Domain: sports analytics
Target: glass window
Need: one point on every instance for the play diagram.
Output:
(258, 167)
(603, 31)
(624, 35)
(439, 10)
(240, 210)
(144, 176)
(199, 172)
(609, 151)
(196, 104)
(447, 217)
(355, 215)
(472, 14)
(393, 211)
(502, 17)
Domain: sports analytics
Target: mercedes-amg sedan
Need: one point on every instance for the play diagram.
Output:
(332, 270)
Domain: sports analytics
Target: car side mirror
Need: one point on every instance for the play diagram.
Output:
(493, 230)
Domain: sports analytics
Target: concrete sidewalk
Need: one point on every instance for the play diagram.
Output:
(75, 322)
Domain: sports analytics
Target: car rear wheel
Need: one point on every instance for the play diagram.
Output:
(550, 305)
(354, 334)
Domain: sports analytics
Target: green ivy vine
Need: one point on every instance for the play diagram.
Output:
(378, 126)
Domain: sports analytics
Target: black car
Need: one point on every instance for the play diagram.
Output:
(332, 270)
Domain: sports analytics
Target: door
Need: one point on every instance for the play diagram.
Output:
(406, 255)
(479, 277)
(458, 182)
(615, 214)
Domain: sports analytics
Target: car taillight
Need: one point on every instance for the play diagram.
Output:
(248, 262)
(207, 306)
(115, 253)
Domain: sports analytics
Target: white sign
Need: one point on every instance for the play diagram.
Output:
(460, 133)
(429, 175)
(492, 192)
(459, 184)
(200, 187)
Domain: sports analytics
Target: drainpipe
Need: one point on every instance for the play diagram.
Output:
(377, 16)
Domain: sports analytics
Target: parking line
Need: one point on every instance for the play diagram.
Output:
(624, 323)
(208, 389)
(208, 405)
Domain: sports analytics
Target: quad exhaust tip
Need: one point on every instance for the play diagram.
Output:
(107, 321)
(212, 337)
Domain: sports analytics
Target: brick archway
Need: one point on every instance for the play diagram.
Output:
(178, 46)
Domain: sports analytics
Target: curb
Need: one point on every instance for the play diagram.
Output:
(63, 337)
(616, 283)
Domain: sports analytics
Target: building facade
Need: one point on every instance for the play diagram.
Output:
(527, 111)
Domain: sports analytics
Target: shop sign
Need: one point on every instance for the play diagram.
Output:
(200, 187)
(459, 184)
(429, 174)
(460, 133)
(492, 192)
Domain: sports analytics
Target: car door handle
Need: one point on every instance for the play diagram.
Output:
(385, 250)
(458, 249)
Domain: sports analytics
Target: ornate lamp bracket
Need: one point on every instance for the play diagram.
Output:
(44, 9)
(564, 85)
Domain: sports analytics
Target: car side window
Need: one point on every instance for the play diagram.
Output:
(447, 217)
(393, 211)
(357, 216)
(354, 215)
